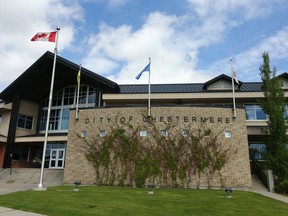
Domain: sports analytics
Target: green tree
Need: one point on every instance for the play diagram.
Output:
(273, 105)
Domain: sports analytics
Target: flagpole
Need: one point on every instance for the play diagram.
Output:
(40, 186)
(78, 90)
(149, 91)
(233, 90)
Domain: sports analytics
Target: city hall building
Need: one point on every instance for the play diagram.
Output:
(103, 104)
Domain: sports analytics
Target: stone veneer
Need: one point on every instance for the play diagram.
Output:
(236, 173)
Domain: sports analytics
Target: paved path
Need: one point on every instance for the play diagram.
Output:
(6, 188)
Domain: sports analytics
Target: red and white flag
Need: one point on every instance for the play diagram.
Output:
(45, 36)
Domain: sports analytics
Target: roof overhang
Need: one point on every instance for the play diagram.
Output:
(35, 82)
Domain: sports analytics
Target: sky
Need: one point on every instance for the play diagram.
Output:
(188, 41)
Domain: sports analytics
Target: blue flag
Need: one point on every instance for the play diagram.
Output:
(147, 68)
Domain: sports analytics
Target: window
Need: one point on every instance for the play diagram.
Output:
(221, 84)
(62, 101)
(84, 134)
(256, 151)
(25, 121)
(185, 133)
(228, 134)
(103, 133)
(143, 133)
(164, 133)
(0, 118)
(254, 112)
(20, 153)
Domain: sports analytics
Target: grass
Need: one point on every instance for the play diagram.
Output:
(93, 200)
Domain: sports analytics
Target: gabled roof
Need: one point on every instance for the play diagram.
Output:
(35, 82)
(220, 77)
(284, 75)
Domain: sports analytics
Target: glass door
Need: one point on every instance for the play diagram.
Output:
(57, 158)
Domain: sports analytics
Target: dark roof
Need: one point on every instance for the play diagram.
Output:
(183, 88)
(35, 82)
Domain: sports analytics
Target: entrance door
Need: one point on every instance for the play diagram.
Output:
(57, 157)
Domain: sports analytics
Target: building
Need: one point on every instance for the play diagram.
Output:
(24, 104)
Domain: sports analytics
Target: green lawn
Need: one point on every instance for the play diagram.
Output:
(93, 200)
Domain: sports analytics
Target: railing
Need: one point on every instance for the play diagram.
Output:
(258, 170)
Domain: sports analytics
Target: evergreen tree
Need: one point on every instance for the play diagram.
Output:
(273, 105)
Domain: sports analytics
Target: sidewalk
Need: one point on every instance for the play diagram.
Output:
(6, 188)
(12, 212)
(273, 195)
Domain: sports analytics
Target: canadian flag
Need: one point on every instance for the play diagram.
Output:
(45, 36)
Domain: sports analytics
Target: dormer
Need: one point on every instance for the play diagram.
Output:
(284, 77)
(221, 83)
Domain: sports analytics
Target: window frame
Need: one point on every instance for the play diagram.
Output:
(25, 120)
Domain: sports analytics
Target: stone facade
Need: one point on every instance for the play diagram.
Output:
(235, 174)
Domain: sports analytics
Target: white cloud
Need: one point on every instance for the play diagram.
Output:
(21, 20)
(248, 62)
(158, 39)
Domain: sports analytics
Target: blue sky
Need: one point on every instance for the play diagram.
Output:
(187, 40)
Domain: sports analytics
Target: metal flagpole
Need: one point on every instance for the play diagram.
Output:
(40, 186)
(233, 90)
(78, 89)
(149, 91)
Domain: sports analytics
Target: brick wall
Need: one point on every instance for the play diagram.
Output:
(235, 174)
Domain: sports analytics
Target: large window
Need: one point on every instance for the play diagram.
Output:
(25, 121)
(20, 153)
(61, 103)
(256, 151)
(254, 112)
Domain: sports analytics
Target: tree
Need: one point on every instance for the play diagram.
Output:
(273, 105)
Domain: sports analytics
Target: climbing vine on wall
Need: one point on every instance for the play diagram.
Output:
(124, 158)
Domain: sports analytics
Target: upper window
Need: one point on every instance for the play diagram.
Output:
(254, 112)
(25, 121)
(221, 84)
(62, 101)
(68, 97)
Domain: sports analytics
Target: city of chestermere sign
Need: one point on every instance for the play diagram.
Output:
(188, 119)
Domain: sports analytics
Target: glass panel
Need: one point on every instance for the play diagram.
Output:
(60, 163)
(250, 114)
(65, 118)
(260, 115)
(61, 154)
(53, 154)
(53, 163)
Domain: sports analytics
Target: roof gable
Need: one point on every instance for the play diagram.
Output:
(35, 82)
(224, 82)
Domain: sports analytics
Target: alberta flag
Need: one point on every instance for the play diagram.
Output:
(147, 68)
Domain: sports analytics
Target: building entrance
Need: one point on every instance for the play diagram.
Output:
(57, 158)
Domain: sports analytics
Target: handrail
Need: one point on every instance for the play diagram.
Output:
(259, 172)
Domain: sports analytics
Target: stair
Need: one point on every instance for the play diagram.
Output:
(257, 184)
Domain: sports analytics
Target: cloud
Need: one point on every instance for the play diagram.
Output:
(20, 20)
(157, 39)
(247, 63)
(173, 42)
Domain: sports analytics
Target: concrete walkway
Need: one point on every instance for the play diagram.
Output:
(6, 188)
